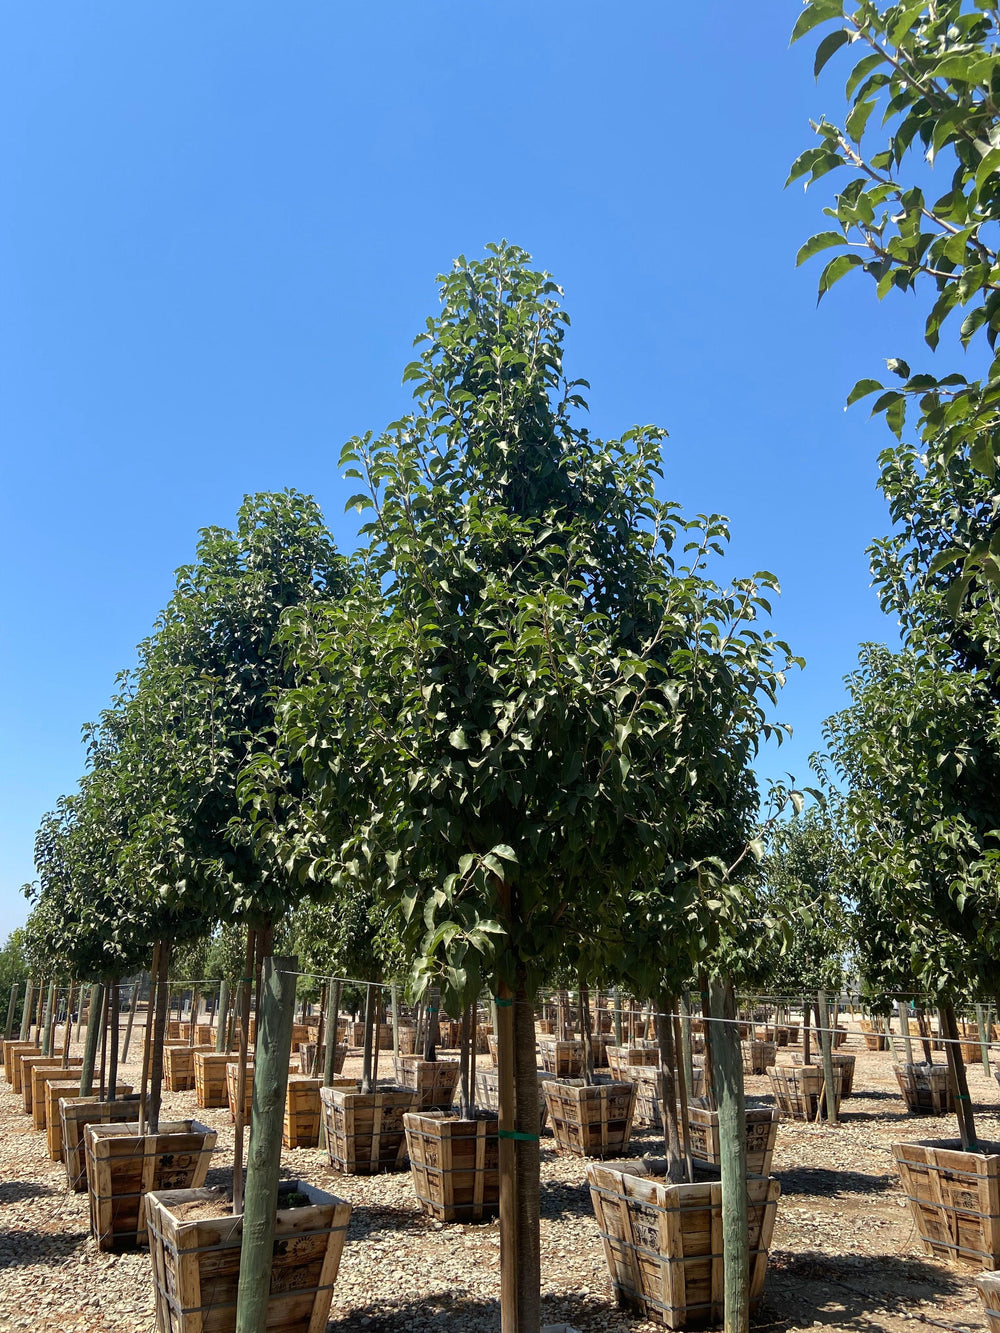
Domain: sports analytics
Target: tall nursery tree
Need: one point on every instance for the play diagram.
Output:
(510, 698)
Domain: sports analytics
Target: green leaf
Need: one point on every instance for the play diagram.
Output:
(858, 119)
(862, 389)
(861, 71)
(823, 240)
(986, 168)
(981, 454)
(835, 270)
(457, 740)
(820, 11)
(830, 44)
(898, 367)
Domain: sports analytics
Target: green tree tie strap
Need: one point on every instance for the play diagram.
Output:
(516, 1134)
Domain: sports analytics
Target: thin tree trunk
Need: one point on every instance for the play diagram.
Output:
(93, 1033)
(159, 1033)
(133, 1002)
(668, 1093)
(366, 1058)
(222, 1019)
(79, 1014)
(44, 1031)
(728, 1073)
(618, 1017)
(115, 1034)
(394, 994)
(329, 1064)
(956, 1065)
(904, 1027)
(38, 1012)
(11, 1010)
(147, 1041)
(588, 1041)
(826, 1044)
(806, 1034)
(526, 1161)
(193, 1025)
(317, 1059)
(68, 1033)
(687, 1047)
(241, 1078)
(102, 1092)
(683, 1091)
(29, 995)
(465, 1102)
(984, 1050)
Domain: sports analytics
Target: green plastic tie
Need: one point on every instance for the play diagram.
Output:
(501, 1004)
(517, 1134)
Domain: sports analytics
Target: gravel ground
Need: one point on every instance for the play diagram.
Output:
(844, 1256)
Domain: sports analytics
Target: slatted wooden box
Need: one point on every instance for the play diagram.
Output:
(307, 1053)
(232, 1089)
(758, 1055)
(493, 1046)
(663, 1242)
(779, 1035)
(384, 1034)
(433, 1081)
(124, 1165)
(195, 1243)
(55, 1090)
(988, 1285)
(591, 1121)
(302, 1112)
(204, 1034)
(178, 1065)
(210, 1078)
(488, 1094)
(41, 1074)
(20, 1054)
(926, 1089)
(648, 1110)
(800, 1090)
(954, 1200)
(454, 1164)
(9, 1050)
(29, 1063)
(843, 1061)
(875, 1040)
(761, 1136)
(561, 1059)
(365, 1133)
(407, 1039)
(623, 1059)
(74, 1116)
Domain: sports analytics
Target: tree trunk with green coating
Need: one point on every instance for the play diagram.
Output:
(727, 1067)
(115, 1020)
(29, 996)
(11, 1010)
(275, 1016)
(46, 1027)
(585, 1033)
(329, 1063)
(687, 1047)
(984, 1050)
(371, 1012)
(90, 1047)
(159, 1032)
(527, 1160)
(826, 1045)
(668, 1094)
(132, 1006)
(959, 1081)
(222, 1019)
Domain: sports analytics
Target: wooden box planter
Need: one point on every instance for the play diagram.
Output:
(21, 1053)
(178, 1066)
(779, 1035)
(663, 1242)
(194, 1246)
(874, 1040)
(40, 1075)
(493, 1045)
(357, 1037)
(954, 1200)
(545, 1027)
(204, 1034)
(307, 1053)
(54, 1091)
(407, 1039)
(648, 1110)
(124, 1165)
(793, 1034)
(74, 1117)
(454, 1164)
(433, 1081)
(590, 1121)
(925, 1088)
(302, 1110)
(561, 1059)
(761, 1130)
(843, 1061)
(232, 1089)
(488, 1094)
(800, 1090)
(29, 1063)
(601, 1042)
(988, 1285)
(210, 1078)
(758, 1055)
(839, 1036)
(10, 1048)
(365, 1133)
(623, 1059)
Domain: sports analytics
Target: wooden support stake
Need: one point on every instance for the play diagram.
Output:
(222, 1018)
(147, 1045)
(275, 1016)
(26, 1011)
(11, 1008)
(132, 1005)
(826, 1036)
(104, 1047)
(727, 1064)
(69, 1026)
(241, 1081)
(46, 1028)
(506, 1125)
(115, 1033)
(320, 1032)
(159, 1032)
(90, 1048)
(984, 1049)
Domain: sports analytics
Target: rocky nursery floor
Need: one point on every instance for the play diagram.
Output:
(844, 1254)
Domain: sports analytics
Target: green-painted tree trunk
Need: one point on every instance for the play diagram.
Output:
(90, 1046)
(29, 996)
(11, 1011)
(46, 1032)
(222, 1019)
(275, 1016)
(826, 1046)
(727, 1067)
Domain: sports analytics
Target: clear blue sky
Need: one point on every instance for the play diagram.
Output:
(219, 231)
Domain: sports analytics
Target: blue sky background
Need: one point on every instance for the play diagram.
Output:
(219, 231)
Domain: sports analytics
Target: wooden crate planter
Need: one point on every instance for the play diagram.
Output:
(925, 1088)
(875, 1040)
(843, 1061)
(758, 1055)
(800, 1090)
(307, 1053)
(623, 1059)
(210, 1078)
(601, 1042)
(454, 1164)
(561, 1059)
(648, 1109)
(407, 1039)
(545, 1027)
(433, 1081)
(178, 1066)
(21, 1053)
(365, 1133)
(204, 1034)
(793, 1034)
(663, 1242)
(232, 1089)
(839, 1036)
(10, 1048)
(988, 1286)
(761, 1135)
(55, 1089)
(590, 1121)
(302, 1110)
(39, 1076)
(124, 1165)
(29, 1063)
(488, 1093)
(779, 1035)
(74, 1117)
(194, 1248)
(493, 1045)
(357, 1037)
(954, 1200)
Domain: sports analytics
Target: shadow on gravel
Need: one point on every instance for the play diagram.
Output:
(16, 1191)
(472, 1314)
(561, 1199)
(848, 1291)
(24, 1248)
(822, 1181)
